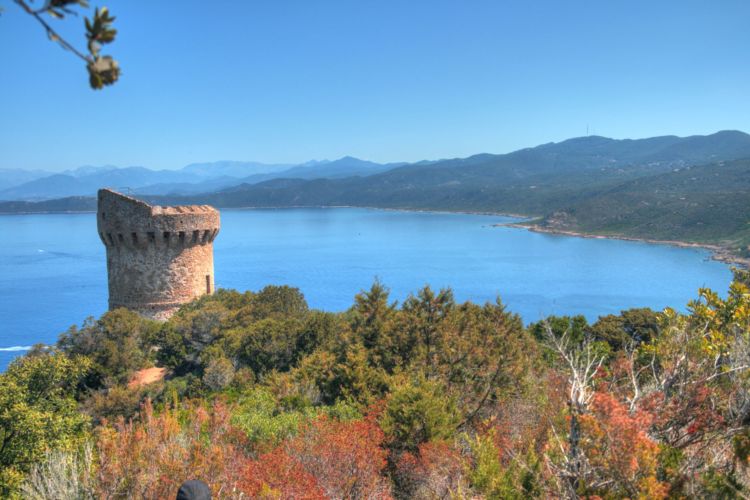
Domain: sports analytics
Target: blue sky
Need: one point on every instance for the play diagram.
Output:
(389, 80)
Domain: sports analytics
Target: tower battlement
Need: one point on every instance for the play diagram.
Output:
(158, 258)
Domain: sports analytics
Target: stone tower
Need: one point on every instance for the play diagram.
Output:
(158, 258)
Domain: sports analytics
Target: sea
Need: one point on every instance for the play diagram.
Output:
(53, 270)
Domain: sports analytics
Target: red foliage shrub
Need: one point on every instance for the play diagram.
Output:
(278, 475)
(328, 459)
(687, 417)
(151, 457)
(345, 457)
(436, 471)
(617, 445)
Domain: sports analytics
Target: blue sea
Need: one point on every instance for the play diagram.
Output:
(53, 271)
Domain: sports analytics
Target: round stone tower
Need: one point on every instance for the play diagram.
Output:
(158, 258)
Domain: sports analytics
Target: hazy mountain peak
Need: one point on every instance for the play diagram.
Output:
(88, 170)
(313, 163)
(730, 133)
(616, 157)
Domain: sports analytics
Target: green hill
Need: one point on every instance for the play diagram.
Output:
(703, 204)
(693, 189)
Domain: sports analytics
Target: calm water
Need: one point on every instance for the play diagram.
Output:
(53, 272)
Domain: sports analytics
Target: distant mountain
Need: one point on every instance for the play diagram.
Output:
(347, 166)
(82, 184)
(10, 177)
(688, 188)
(89, 170)
(234, 169)
(192, 179)
(531, 181)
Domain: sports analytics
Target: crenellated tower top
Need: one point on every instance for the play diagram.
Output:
(126, 221)
(158, 258)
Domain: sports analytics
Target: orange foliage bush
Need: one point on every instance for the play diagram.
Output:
(278, 475)
(328, 459)
(617, 445)
(436, 471)
(151, 457)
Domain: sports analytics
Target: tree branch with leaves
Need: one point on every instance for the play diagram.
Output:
(103, 69)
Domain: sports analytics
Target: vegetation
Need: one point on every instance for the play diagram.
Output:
(693, 189)
(103, 69)
(702, 204)
(427, 399)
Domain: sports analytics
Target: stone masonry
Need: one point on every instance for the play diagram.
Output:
(158, 258)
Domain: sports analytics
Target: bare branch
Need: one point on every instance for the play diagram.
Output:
(51, 33)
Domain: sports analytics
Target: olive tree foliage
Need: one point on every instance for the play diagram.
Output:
(103, 69)
(117, 344)
(62, 474)
(38, 413)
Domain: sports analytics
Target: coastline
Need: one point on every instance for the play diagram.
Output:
(718, 252)
(50, 212)
(271, 207)
(389, 209)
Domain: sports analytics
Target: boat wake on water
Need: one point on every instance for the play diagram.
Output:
(15, 348)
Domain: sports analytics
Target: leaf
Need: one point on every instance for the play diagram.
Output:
(103, 71)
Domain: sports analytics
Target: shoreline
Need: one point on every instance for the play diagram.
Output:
(718, 252)
(270, 207)
(50, 212)
(390, 209)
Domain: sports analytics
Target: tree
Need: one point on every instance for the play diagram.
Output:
(272, 344)
(103, 69)
(418, 412)
(38, 413)
(480, 354)
(581, 364)
(218, 374)
(370, 324)
(634, 326)
(694, 378)
(279, 301)
(116, 343)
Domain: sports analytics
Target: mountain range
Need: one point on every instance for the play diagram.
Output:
(17, 184)
(693, 189)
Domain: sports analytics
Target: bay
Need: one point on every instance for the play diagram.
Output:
(53, 270)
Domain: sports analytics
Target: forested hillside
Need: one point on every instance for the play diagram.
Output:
(704, 204)
(262, 397)
(530, 181)
(692, 189)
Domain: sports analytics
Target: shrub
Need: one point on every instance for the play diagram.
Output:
(328, 459)
(62, 474)
(38, 413)
(151, 457)
(417, 412)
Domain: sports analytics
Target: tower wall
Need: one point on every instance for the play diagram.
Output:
(158, 258)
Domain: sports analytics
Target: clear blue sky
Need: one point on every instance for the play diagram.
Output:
(388, 80)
